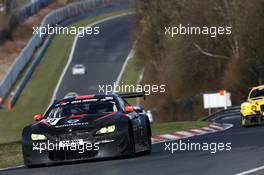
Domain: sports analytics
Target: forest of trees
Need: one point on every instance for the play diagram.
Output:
(190, 65)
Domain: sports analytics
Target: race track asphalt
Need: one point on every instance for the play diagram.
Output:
(104, 55)
(246, 153)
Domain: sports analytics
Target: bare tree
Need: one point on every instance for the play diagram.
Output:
(192, 64)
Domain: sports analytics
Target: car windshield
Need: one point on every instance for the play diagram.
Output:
(68, 109)
(256, 93)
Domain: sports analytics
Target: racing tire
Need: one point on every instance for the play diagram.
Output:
(148, 134)
(131, 141)
(245, 126)
(244, 121)
(26, 134)
(25, 140)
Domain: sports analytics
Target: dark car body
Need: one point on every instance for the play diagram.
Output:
(98, 126)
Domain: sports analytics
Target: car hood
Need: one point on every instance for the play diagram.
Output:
(251, 102)
(78, 122)
(259, 101)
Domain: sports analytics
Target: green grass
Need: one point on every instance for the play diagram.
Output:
(164, 128)
(131, 75)
(11, 154)
(132, 72)
(38, 91)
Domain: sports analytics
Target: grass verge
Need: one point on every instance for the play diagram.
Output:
(10, 154)
(132, 72)
(131, 75)
(164, 128)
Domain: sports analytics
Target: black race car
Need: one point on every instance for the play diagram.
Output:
(86, 127)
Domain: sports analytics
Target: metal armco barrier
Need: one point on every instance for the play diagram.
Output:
(227, 112)
(55, 17)
(20, 15)
(28, 73)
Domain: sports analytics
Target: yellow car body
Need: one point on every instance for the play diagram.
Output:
(252, 111)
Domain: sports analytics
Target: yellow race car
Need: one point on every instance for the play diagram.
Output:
(252, 111)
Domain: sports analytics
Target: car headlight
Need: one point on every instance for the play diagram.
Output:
(253, 107)
(107, 129)
(38, 137)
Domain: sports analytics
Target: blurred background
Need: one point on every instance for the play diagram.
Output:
(182, 62)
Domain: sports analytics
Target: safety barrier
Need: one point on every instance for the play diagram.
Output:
(235, 110)
(51, 19)
(19, 16)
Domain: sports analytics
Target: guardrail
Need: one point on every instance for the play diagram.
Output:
(51, 19)
(18, 16)
(227, 112)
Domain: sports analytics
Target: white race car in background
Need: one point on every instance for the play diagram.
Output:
(78, 69)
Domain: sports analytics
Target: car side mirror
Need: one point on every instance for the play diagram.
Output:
(129, 109)
(38, 117)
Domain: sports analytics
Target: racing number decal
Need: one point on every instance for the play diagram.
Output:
(53, 121)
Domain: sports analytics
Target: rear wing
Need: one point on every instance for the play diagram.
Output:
(133, 95)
